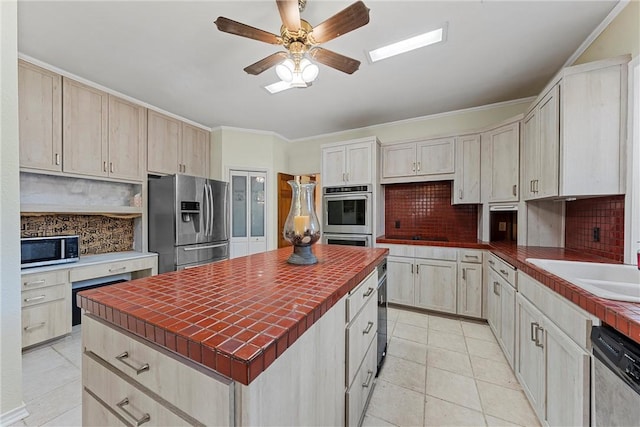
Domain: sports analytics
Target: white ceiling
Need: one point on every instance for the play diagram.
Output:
(170, 54)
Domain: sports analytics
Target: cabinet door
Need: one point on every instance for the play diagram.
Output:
(493, 303)
(248, 213)
(529, 365)
(358, 170)
(466, 183)
(127, 127)
(195, 151)
(504, 163)
(333, 166)
(567, 379)
(549, 150)
(508, 320)
(435, 157)
(400, 280)
(163, 139)
(436, 284)
(84, 129)
(530, 156)
(399, 160)
(470, 289)
(39, 117)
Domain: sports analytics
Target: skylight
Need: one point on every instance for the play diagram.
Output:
(407, 45)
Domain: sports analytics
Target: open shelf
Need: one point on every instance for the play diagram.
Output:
(79, 210)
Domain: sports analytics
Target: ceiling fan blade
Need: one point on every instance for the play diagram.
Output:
(354, 16)
(232, 27)
(266, 63)
(290, 14)
(335, 60)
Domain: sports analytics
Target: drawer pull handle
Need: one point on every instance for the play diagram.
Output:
(369, 292)
(138, 421)
(505, 272)
(35, 282)
(368, 329)
(538, 342)
(122, 358)
(492, 262)
(496, 288)
(36, 326)
(474, 257)
(111, 270)
(39, 297)
(534, 327)
(367, 383)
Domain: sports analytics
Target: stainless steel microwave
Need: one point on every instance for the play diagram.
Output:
(39, 251)
(348, 210)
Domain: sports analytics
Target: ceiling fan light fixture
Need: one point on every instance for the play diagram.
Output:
(407, 45)
(277, 87)
(309, 70)
(285, 70)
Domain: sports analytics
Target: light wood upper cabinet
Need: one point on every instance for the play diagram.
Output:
(418, 160)
(176, 147)
(502, 161)
(466, 182)
(39, 117)
(163, 140)
(347, 164)
(84, 129)
(195, 151)
(127, 131)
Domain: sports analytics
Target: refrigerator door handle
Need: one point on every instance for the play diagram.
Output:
(207, 206)
(211, 203)
(219, 245)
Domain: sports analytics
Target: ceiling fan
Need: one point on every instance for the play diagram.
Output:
(301, 41)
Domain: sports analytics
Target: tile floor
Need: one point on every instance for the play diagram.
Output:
(439, 371)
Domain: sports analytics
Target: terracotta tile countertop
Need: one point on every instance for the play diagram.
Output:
(623, 316)
(236, 316)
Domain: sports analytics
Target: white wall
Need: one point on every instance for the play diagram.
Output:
(11, 405)
(304, 154)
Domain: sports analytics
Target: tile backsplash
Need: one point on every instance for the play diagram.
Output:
(98, 233)
(606, 214)
(424, 210)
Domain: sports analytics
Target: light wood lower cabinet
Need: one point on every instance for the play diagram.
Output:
(360, 390)
(436, 285)
(501, 303)
(470, 289)
(96, 413)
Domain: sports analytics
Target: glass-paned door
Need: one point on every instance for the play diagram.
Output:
(248, 212)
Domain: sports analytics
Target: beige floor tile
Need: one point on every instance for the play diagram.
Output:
(414, 318)
(404, 373)
(507, 404)
(494, 372)
(439, 412)
(18, 424)
(71, 418)
(444, 324)
(447, 340)
(410, 332)
(371, 421)
(54, 403)
(69, 347)
(393, 313)
(486, 349)
(453, 388)
(497, 422)
(44, 370)
(480, 331)
(448, 360)
(397, 405)
(408, 350)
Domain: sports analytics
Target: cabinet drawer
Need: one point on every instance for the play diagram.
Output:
(470, 255)
(505, 270)
(398, 250)
(359, 335)
(359, 296)
(45, 321)
(204, 397)
(110, 268)
(41, 280)
(437, 252)
(126, 400)
(42, 295)
(95, 414)
(360, 390)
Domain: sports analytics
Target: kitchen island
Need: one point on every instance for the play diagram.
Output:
(247, 341)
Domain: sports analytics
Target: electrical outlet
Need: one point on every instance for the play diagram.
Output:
(397, 223)
(596, 234)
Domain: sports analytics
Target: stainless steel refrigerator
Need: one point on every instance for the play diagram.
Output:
(188, 221)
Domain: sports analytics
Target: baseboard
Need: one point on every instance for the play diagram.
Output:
(14, 415)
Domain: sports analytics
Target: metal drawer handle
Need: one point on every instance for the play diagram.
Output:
(137, 421)
(369, 292)
(32, 327)
(496, 288)
(538, 343)
(534, 327)
(473, 256)
(505, 272)
(492, 262)
(122, 358)
(367, 383)
(368, 329)
(39, 297)
(111, 270)
(36, 282)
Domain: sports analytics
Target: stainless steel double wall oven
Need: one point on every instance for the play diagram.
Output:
(348, 215)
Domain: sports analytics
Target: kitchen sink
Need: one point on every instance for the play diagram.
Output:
(618, 282)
